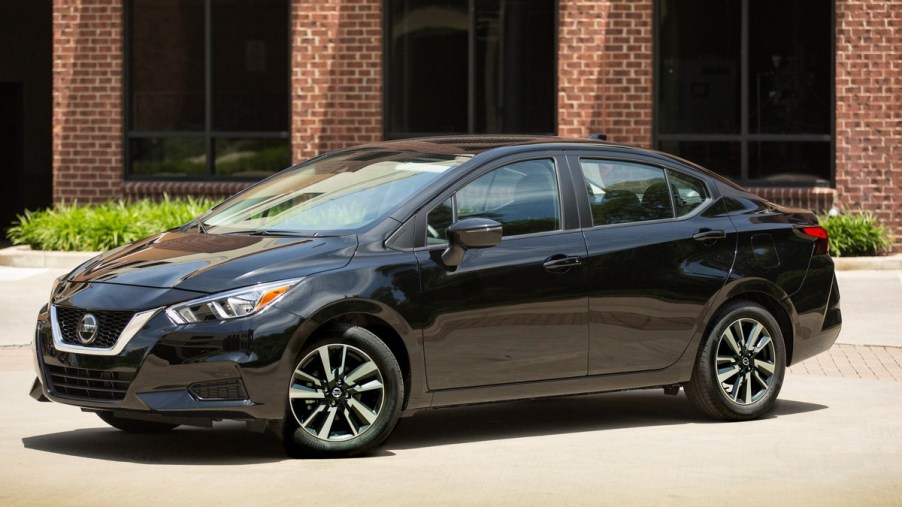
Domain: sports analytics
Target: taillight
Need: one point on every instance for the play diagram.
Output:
(822, 240)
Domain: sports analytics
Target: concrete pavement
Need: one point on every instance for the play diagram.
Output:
(872, 307)
(834, 439)
(22, 293)
(830, 441)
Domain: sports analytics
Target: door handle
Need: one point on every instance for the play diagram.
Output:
(708, 234)
(560, 263)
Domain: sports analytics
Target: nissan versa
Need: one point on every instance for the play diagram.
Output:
(333, 297)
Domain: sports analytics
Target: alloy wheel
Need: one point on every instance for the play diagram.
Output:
(745, 361)
(337, 392)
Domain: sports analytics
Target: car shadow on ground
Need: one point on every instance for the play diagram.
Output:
(230, 443)
(599, 412)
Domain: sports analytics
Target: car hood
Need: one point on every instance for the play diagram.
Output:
(213, 262)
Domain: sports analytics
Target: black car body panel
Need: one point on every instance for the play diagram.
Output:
(629, 311)
(209, 262)
(500, 317)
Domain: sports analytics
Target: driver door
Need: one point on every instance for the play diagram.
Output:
(516, 312)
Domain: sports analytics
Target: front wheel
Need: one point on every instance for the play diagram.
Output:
(344, 397)
(740, 367)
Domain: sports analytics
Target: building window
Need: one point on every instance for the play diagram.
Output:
(470, 66)
(207, 88)
(745, 88)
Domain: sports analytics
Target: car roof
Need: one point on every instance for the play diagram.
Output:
(500, 145)
(476, 144)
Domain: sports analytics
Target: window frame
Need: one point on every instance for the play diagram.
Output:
(208, 135)
(471, 77)
(454, 200)
(745, 137)
(569, 206)
(587, 222)
(666, 170)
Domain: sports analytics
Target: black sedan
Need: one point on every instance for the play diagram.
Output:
(369, 283)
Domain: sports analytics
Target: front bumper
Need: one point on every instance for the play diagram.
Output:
(222, 370)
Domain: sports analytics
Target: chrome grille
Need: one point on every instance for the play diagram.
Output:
(101, 385)
(110, 325)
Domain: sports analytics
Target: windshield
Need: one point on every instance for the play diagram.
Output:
(335, 193)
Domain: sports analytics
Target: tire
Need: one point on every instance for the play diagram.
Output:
(739, 379)
(135, 425)
(344, 396)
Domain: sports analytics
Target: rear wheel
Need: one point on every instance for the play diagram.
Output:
(344, 397)
(740, 367)
(134, 425)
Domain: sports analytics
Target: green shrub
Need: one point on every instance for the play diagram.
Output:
(74, 227)
(856, 234)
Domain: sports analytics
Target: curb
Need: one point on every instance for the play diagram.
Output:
(888, 263)
(25, 257)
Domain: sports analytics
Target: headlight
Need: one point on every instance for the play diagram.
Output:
(230, 305)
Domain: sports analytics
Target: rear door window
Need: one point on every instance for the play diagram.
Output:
(688, 193)
(623, 192)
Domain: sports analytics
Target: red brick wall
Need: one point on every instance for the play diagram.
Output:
(134, 190)
(869, 109)
(605, 85)
(87, 100)
(817, 199)
(605, 69)
(336, 74)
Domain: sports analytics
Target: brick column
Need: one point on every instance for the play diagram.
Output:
(605, 69)
(336, 74)
(87, 100)
(869, 109)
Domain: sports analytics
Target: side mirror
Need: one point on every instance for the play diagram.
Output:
(470, 233)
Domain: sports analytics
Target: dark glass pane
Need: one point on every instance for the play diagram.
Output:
(167, 65)
(515, 66)
(427, 59)
(176, 157)
(699, 66)
(621, 192)
(723, 158)
(790, 66)
(249, 65)
(688, 192)
(251, 158)
(790, 162)
(523, 197)
(437, 221)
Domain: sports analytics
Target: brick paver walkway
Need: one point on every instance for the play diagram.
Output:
(855, 361)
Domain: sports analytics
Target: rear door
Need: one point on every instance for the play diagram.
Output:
(518, 311)
(659, 249)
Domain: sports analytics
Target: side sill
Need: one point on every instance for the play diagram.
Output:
(563, 387)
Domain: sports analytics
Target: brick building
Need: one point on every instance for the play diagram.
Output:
(800, 100)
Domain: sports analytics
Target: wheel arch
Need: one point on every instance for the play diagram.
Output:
(378, 327)
(382, 321)
(767, 295)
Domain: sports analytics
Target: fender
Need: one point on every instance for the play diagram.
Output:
(731, 290)
(412, 340)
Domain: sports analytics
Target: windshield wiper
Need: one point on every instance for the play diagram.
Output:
(197, 222)
(271, 232)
